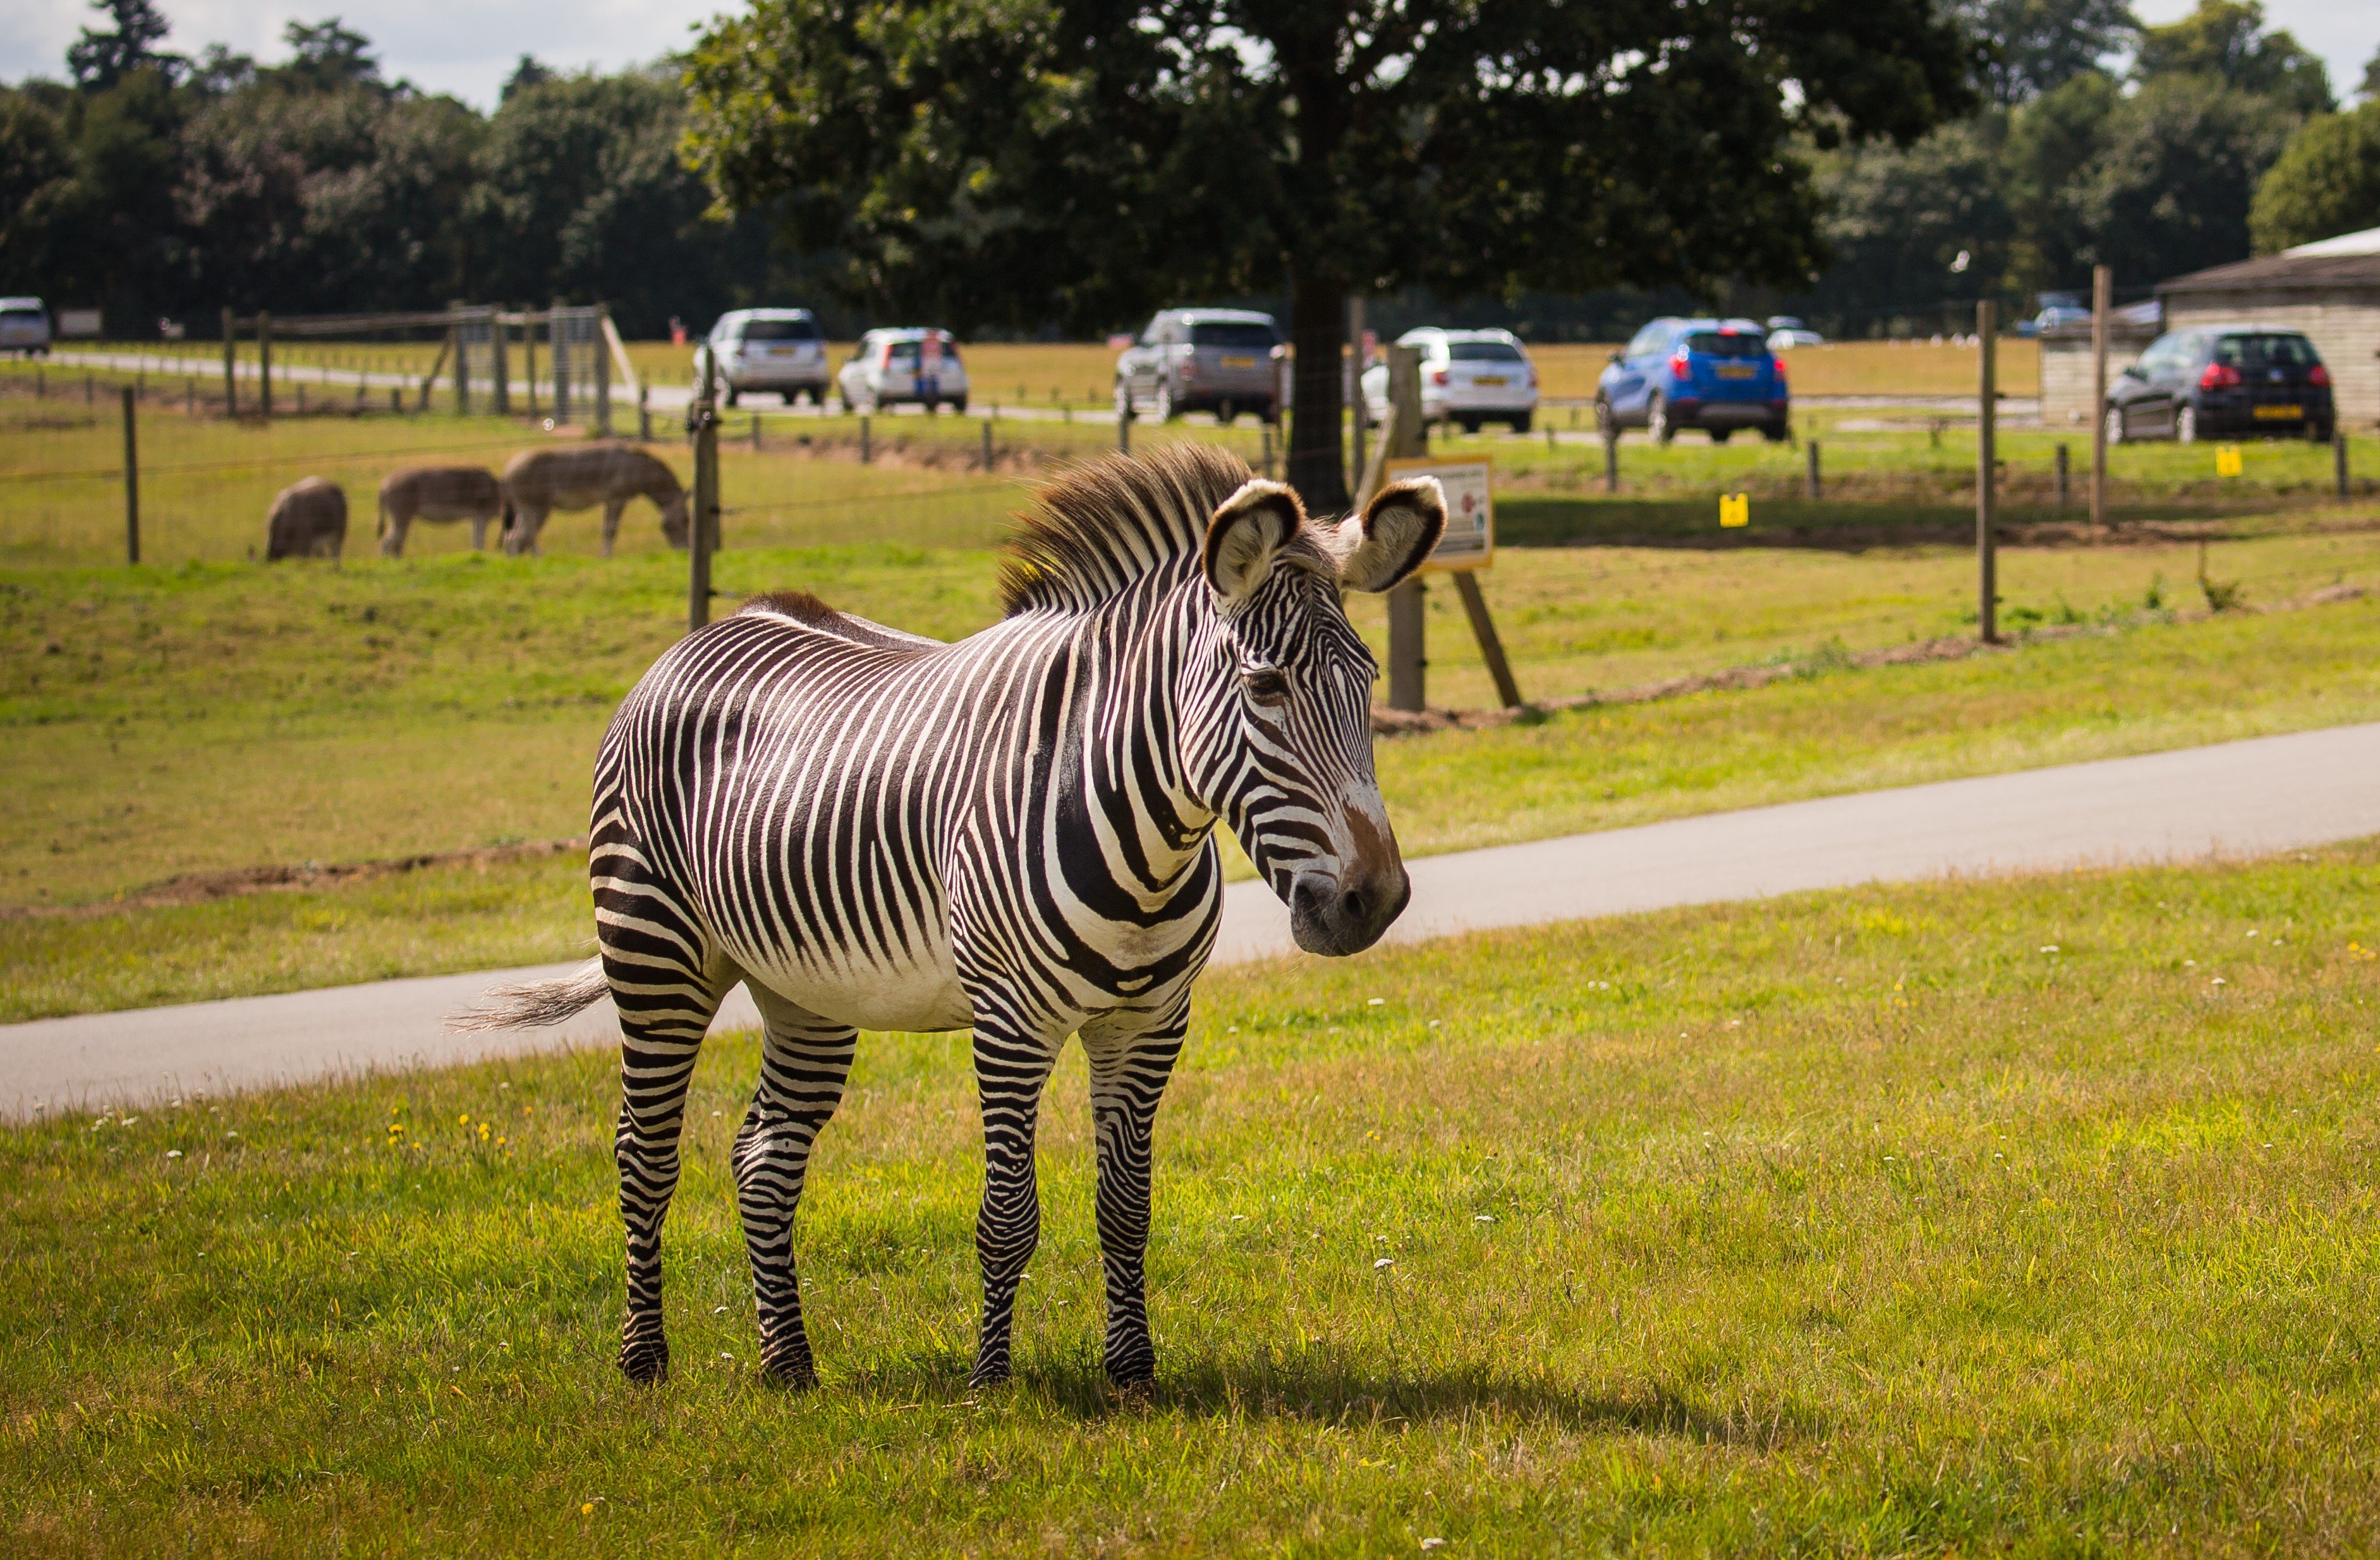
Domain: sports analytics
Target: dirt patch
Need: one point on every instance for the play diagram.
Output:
(202, 888)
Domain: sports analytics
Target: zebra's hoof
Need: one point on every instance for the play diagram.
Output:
(793, 1376)
(645, 1363)
(988, 1373)
(1135, 1391)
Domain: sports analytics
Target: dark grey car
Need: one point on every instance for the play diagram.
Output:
(1221, 360)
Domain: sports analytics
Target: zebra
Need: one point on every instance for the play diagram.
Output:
(1011, 833)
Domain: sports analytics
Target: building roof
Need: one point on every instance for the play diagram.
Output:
(2334, 262)
(2364, 243)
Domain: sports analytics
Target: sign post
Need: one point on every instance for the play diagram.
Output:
(2103, 286)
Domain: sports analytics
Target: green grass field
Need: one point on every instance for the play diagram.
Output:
(2028, 1216)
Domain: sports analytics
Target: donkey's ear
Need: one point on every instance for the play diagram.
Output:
(1247, 529)
(1397, 529)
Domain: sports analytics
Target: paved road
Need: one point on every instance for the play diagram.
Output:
(2244, 798)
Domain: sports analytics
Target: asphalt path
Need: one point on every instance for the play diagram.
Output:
(2234, 800)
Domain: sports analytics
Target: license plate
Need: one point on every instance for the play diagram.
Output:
(1239, 362)
(1488, 379)
(1737, 371)
(2279, 414)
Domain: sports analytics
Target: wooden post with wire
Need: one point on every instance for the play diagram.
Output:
(702, 422)
(264, 365)
(131, 484)
(2103, 286)
(1988, 324)
(231, 363)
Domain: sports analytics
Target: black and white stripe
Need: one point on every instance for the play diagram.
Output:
(1012, 833)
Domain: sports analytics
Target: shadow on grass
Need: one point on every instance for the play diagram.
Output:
(1323, 1389)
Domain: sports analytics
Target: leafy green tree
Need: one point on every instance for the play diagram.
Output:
(2170, 190)
(2052, 144)
(2226, 39)
(36, 179)
(2325, 184)
(324, 57)
(99, 60)
(1898, 219)
(2040, 44)
(1016, 161)
(2370, 91)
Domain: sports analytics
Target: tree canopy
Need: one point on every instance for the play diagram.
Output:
(2325, 184)
(1017, 161)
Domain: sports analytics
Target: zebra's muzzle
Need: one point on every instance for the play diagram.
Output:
(1326, 918)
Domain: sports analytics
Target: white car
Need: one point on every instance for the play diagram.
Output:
(24, 327)
(1785, 338)
(1468, 376)
(920, 367)
(765, 350)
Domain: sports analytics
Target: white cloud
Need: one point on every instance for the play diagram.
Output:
(439, 45)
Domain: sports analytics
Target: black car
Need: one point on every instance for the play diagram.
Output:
(2223, 380)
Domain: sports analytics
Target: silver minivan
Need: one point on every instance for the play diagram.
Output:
(767, 350)
(24, 327)
(1221, 360)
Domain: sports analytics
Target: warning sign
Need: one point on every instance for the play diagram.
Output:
(1470, 539)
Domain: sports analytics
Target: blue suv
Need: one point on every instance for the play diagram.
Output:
(1716, 375)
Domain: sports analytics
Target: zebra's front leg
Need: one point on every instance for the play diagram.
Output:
(1010, 1067)
(804, 1062)
(1132, 1055)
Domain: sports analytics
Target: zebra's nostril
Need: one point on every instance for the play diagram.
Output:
(1354, 906)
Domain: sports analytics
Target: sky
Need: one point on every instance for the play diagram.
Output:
(469, 47)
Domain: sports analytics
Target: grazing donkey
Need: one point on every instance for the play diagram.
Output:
(437, 492)
(308, 519)
(538, 482)
(1013, 832)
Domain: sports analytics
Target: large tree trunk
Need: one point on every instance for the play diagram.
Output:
(1318, 326)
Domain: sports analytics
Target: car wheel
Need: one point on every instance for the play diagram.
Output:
(1525, 422)
(2319, 432)
(1721, 435)
(2114, 423)
(1657, 419)
(1468, 425)
(2185, 425)
(1165, 410)
(959, 405)
(1776, 432)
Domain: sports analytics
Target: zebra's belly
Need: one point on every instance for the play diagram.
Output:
(867, 994)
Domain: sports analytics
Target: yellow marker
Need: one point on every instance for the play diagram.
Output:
(2226, 460)
(1736, 509)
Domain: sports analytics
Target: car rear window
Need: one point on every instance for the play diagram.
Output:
(1728, 344)
(34, 314)
(910, 353)
(1484, 352)
(2264, 352)
(1252, 335)
(779, 330)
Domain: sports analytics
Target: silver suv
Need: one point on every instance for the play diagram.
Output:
(1221, 360)
(768, 350)
(24, 327)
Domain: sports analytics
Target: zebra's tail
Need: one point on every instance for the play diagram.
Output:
(536, 1003)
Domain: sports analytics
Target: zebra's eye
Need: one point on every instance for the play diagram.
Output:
(1267, 685)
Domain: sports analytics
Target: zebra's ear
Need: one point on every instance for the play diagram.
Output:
(1247, 530)
(1397, 529)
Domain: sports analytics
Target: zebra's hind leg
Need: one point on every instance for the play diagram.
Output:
(1011, 1066)
(804, 1062)
(666, 985)
(1132, 1055)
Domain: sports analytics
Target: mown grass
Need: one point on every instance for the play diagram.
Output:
(2030, 1216)
(438, 741)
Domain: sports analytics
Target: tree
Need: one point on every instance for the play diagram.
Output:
(2052, 144)
(2040, 44)
(1021, 161)
(2170, 190)
(99, 60)
(529, 72)
(2325, 184)
(2226, 39)
(325, 56)
(2370, 91)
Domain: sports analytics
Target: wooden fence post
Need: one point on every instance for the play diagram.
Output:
(264, 365)
(231, 361)
(1986, 473)
(1408, 658)
(703, 423)
(131, 484)
(1817, 489)
(2103, 286)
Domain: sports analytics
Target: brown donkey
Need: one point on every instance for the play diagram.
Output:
(437, 492)
(537, 482)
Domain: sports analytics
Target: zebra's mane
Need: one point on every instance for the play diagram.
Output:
(1104, 524)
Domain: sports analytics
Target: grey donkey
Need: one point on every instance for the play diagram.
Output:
(439, 493)
(538, 482)
(308, 519)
